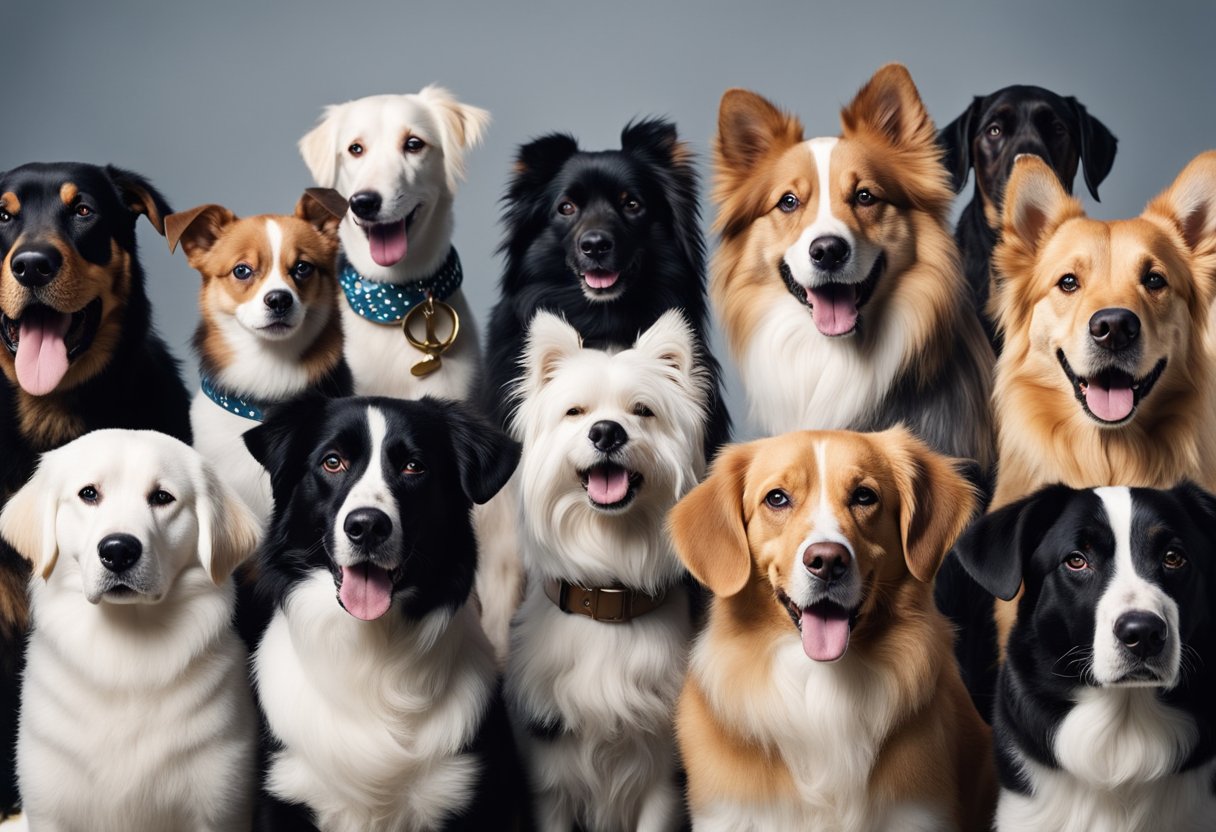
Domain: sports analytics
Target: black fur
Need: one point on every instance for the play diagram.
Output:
(659, 251)
(139, 386)
(1032, 120)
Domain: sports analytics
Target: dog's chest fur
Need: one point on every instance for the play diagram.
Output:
(374, 717)
(218, 437)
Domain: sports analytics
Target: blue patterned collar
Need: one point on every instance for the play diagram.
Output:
(388, 303)
(245, 408)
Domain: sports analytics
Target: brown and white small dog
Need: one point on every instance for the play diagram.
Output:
(1105, 378)
(824, 693)
(837, 279)
(270, 329)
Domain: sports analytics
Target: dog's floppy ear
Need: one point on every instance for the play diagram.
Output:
(1200, 506)
(462, 125)
(935, 500)
(994, 548)
(538, 161)
(27, 522)
(485, 456)
(324, 208)
(139, 196)
(955, 139)
(890, 105)
(749, 127)
(1097, 146)
(708, 527)
(228, 532)
(197, 229)
(1189, 207)
(319, 148)
(276, 442)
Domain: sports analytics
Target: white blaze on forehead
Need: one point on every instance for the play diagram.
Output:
(370, 491)
(825, 221)
(825, 528)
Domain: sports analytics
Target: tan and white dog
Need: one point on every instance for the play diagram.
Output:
(136, 710)
(824, 692)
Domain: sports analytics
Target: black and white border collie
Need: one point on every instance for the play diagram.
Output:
(1105, 715)
(378, 687)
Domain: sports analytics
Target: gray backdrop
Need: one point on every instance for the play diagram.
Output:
(209, 98)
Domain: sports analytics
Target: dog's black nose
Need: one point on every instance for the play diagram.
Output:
(367, 527)
(607, 436)
(595, 243)
(1143, 633)
(279, 301)
(829, 253)
(826, 561)
(1114, 328)
(36, 266)
(119, 552)
(365, 205)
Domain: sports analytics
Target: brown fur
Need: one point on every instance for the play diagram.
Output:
(10, 203)
(938, 751)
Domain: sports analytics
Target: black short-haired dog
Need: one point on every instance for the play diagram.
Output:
(78, 353)
(988, 136)
(379, 690)
(1105, 717)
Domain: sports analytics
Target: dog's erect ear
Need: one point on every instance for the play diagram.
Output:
(1097, 146)
(550, 341)
(319, 148)
(27, 522)
(670, 340)
(538, 161)
(994, 548)
(650, 136)
(890, 105)
(1189, 206)
(228, 532)
(1035, 203)
(955, 139)
(197, 229)
(708, 528)
(935, 500)
(324, 208)
(749, 127)
(140, 197)
(462, 125)
(485, 456)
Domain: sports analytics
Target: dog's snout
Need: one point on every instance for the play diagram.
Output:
(1142, 633)
(607, 436)
(365, 205)
(595, 243)
(1114, 328)
(279, 301)
(829, 253)
(36, 266)
(119, 552)
(827, 561)
(367, 527)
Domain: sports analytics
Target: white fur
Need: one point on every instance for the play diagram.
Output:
(373, 715)
(612, 686)
(136, 712)
(371, 491)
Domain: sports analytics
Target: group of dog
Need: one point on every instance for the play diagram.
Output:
(393, 586)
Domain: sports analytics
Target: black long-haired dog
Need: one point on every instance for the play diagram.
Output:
(610, 240)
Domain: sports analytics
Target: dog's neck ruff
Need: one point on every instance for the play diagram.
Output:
(389, 303)
(245, 408)
(610, 604)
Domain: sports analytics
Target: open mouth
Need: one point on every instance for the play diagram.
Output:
(610, 486)
(44, 342)
(836, 307)
(600, 280)
(1111, 396)
(365, 590)
(389, 241)
(825, 627)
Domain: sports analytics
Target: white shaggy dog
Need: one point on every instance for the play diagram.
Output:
(136, 710)
(599, 646)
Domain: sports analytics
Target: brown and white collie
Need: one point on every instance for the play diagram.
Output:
(837, 279)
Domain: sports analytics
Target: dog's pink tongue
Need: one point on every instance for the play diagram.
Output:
(601, 280)
(388, 242)
(1110, 404)
(834, 308)
(42, 354)
(825, 634)
(608, 484)
(366, 591)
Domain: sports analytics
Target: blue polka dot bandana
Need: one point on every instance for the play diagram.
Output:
(389, 303)
(233, 404)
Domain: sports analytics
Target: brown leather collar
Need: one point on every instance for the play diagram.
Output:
(611, 604)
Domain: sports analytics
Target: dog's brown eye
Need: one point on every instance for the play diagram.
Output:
(575, 411)
(863, 496)
(414, 144)
(355, 149)
(566, 208)
(88, 494)
(83, 210)
(1076, 561)
(413, 467)
(1069, 284)
(643, 411)
(864, 198)
(994, 130)
(1173, 559)
(333, 463)
(789, 203)
(1154, 281)
(160, 497)
(630, 205)
(777, 498)
(242, 271)
(302, 270)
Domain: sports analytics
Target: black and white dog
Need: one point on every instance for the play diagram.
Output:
(1105, 717)
(378, 687)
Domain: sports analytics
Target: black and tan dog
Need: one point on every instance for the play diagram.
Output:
(988, 136)
(79, 352)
